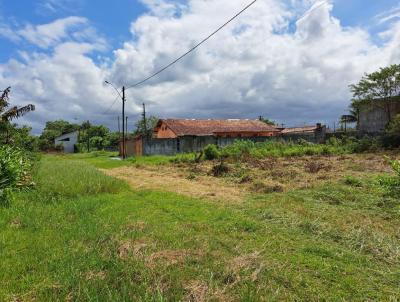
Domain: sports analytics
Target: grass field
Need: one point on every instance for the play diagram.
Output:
(84, 236)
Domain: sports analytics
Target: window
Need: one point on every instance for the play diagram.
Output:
(65, 139)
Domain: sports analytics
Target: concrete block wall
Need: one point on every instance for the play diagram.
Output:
(373, 117)
(188, 144)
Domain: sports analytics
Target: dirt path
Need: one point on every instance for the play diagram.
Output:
(174, 180)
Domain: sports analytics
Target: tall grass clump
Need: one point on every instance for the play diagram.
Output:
(243, 149)
(58, 179)
(389, 183)
(211, 152)
(15, 168)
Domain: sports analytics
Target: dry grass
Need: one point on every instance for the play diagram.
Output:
(173, 179)
(271, 175)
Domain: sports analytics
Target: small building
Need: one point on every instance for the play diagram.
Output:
(374, 115)
(67, 141)
(315, 133)
(235, 128)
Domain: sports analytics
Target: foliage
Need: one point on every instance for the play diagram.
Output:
(91, 136)
(396, 167)
(379, 86)
(54, 129)
(148, 128)
(220, 169)
(352, 181)
(268, 121)
(242, 149)
(8, 114)
(211, 152)
(19, 137)
(58, 178)
(10, 133)
(391, 184)
(391, 137)
(14, 172)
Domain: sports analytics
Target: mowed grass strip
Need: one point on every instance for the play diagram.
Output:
(109, 243)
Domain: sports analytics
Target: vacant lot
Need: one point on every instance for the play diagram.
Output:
(298, 228)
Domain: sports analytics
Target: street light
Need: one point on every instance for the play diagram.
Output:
(123, 116)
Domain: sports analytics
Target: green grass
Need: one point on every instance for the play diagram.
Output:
(109, 160)
(100, 241)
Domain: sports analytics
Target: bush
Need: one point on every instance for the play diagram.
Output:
(211, 152)
(366, 144)
(352, 181)
(396, 166)
(220, 169)
(14, 172)
(391, 138)
(389, 183)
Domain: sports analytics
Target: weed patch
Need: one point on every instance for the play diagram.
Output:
(70, 179)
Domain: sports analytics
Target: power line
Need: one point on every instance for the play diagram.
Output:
(112, 105)
(307, 13)
(193, 48)
(206, 39)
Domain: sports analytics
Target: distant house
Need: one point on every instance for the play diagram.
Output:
(67, 141)
(375, 115)
(235, 128)
(315, 133)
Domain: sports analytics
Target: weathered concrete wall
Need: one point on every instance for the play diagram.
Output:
(374, 117)
(187, 144)
(165, 146)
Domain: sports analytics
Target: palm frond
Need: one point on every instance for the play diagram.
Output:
(16, 112)
(4, 98)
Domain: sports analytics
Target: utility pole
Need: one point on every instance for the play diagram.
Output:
(119, 128)
(126, 128)
(144, 120)
(123, 122)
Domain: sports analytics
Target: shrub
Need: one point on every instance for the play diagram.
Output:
(366, 144)
(352, 181)
(396, 166)
(391, 138)
(211, 152)
(220, 169)
(14, 172)
(389, 183)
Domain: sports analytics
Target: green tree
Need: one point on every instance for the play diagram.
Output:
(380, 87)
(267, 121)
(146, 129)
(54, 129)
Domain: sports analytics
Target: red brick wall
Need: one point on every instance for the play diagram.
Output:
(164, 132)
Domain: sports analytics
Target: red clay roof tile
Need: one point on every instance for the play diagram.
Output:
(182, 127)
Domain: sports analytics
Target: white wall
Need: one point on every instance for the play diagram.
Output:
(68, 141)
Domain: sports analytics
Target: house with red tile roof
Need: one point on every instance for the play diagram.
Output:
(174, 128)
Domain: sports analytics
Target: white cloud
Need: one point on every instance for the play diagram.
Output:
(258, 65)
(51, 34)
(390, 15)
(45, 7)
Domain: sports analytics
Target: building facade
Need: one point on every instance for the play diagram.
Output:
(375, 115)
(67, 141)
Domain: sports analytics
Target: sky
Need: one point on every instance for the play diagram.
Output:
(288, 60)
